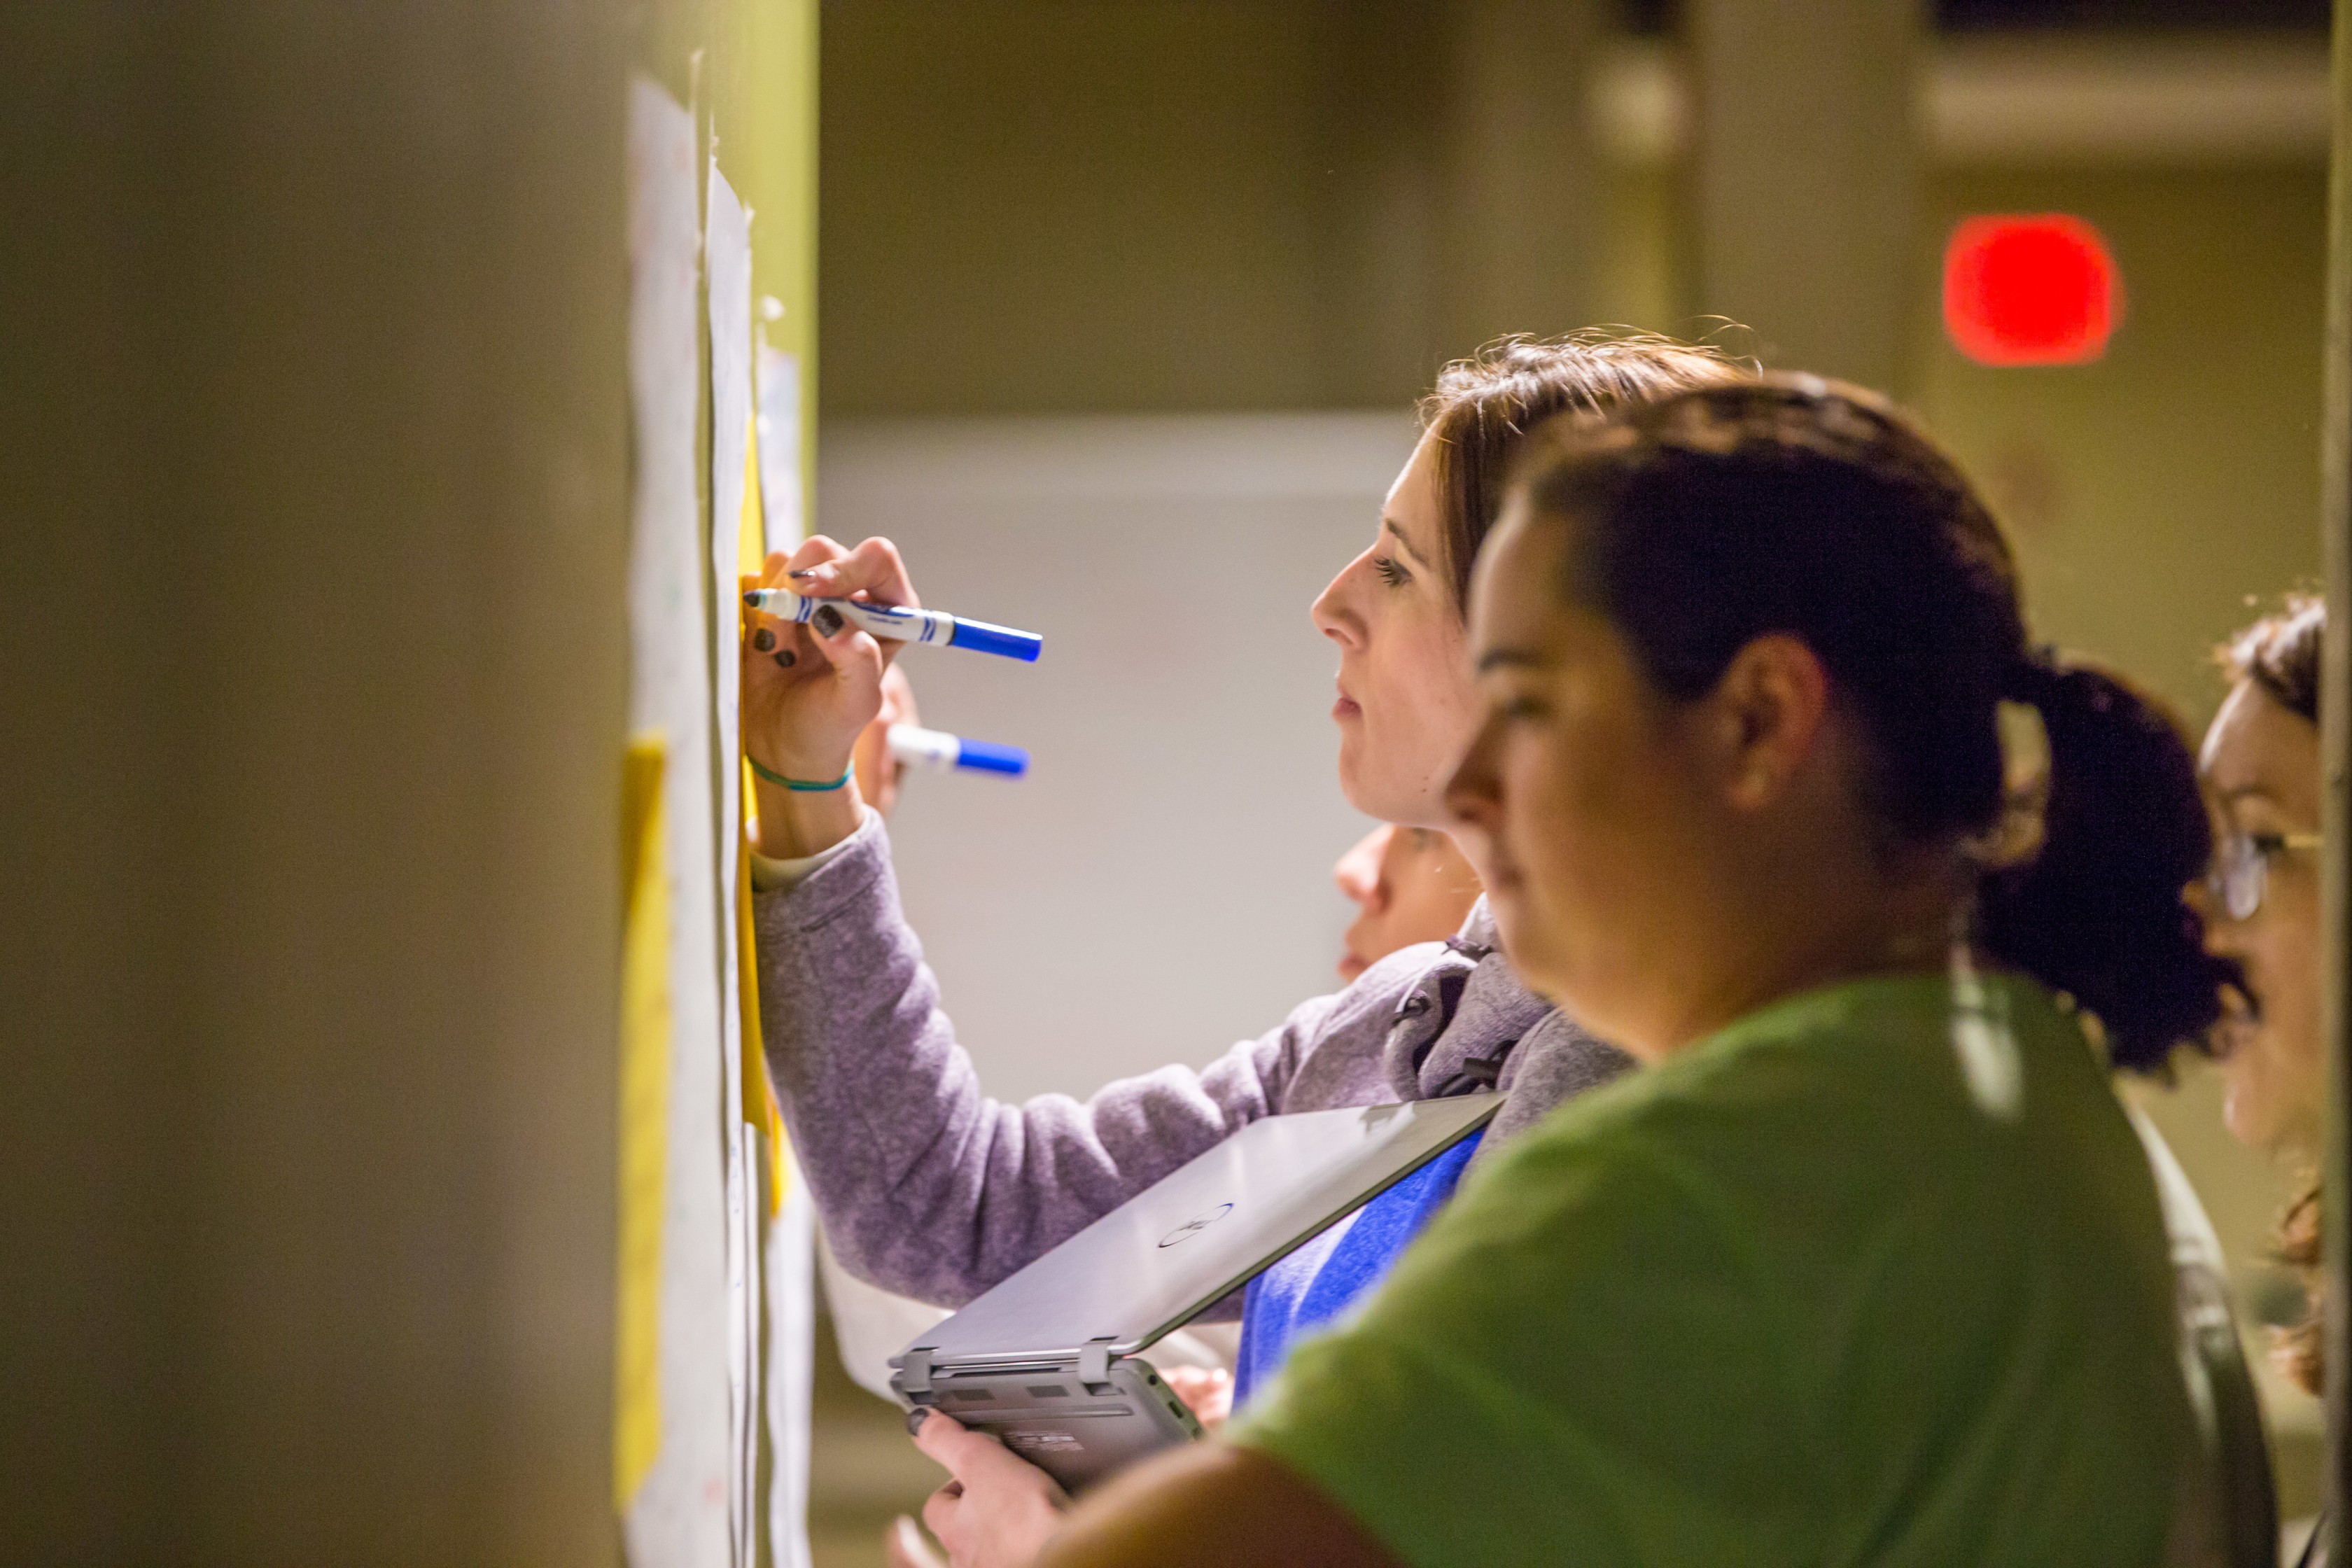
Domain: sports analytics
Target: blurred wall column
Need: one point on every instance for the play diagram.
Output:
(313, 454)
(1462, 197)
(1521, 204)
(2336, 740)
(1805, 177)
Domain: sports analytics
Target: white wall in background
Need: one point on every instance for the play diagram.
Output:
(1159, 887)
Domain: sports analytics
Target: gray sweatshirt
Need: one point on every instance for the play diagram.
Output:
(929, 1188)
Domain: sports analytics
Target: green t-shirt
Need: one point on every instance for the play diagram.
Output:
(1849, 1282)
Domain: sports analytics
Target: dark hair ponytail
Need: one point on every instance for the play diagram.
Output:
(2098, 913)
(1795, 505)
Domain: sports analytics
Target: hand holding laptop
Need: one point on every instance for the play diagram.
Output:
(996, 1510)
(1051, 1359)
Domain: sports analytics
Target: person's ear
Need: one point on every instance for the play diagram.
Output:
(1767, 712)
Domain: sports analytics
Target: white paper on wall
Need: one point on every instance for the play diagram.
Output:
(679, 1516)
(779, 445)
(789, 1346)
(726, 249)
(785, 1344)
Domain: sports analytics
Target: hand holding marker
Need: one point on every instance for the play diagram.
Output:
(910, 743)
(936, 628)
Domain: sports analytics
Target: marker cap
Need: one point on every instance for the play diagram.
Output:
(992, 758)
(981, 638)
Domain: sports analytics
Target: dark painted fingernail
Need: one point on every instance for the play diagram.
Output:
(764, 640)
(827, 621)
(915, 1419)
(786, 659)
(803, 571)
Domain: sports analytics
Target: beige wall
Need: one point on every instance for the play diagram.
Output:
(1055, 208)
(1061, 206)
(2151, 494)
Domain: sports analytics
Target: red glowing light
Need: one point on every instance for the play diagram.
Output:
(2031, 290)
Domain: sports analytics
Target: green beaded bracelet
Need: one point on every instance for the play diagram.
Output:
(802, 785)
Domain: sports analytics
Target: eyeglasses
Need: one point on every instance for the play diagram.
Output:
(2241, 866)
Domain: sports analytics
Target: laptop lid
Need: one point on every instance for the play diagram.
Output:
(1173, 1250)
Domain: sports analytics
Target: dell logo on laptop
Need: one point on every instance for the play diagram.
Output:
(1195, 1225)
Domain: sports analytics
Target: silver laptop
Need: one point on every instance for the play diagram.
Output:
(1049, 1361)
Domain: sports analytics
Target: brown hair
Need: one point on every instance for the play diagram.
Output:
(2280, 653)
(1790, 504)
(1483, 405)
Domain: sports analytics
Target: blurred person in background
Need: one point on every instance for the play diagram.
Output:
(2261, 771)
(1409, 885)
(1866, 1264)
(934, 1191)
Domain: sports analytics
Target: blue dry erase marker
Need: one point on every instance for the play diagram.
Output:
(936, 628)
(938, 749)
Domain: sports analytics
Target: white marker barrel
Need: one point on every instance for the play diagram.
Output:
(938, 749)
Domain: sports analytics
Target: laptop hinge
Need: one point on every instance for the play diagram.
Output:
(1094, 1360)
(915, 1371)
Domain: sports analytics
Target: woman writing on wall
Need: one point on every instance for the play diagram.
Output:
(1865, 1264)
(929, 1188)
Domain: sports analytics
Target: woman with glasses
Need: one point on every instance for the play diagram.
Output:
(2261, 766)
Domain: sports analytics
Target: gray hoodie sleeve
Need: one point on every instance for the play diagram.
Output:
(926, 1187)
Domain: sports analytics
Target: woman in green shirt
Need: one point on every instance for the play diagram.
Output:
(1866, 1265)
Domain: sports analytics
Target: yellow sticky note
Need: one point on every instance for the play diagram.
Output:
(751, 528)
(644, 1120)
(759, 1107)
(751, 557)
